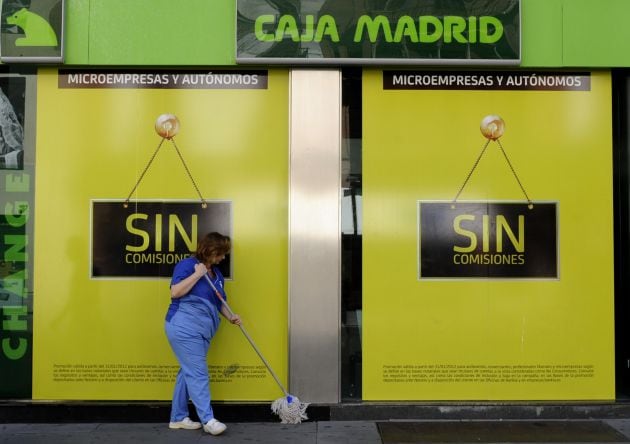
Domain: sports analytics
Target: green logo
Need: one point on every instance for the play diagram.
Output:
(37, 31)
(423, 29)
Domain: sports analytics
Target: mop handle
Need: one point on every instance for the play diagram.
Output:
(251, 341)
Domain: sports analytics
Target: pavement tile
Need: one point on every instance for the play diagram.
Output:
(309, 432)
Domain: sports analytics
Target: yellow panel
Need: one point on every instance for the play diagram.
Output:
(482, 339)
(104, 339)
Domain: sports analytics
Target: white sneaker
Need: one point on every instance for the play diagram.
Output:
(185, 423)
(214, 427)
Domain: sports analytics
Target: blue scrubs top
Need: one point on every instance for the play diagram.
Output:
(201, 290)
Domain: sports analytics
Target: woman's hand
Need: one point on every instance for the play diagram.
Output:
(235, 319)
(200, 270)
(183, 287)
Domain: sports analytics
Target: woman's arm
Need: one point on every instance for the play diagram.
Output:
(183, 287)
(233, 318)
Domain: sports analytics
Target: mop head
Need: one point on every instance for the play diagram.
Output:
(289, 409)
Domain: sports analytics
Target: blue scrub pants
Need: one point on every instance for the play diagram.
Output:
(189, 332)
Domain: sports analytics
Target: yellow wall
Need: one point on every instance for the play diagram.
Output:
(487, 339)
(104, 339)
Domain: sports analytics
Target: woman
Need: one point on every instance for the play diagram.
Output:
(192, 320)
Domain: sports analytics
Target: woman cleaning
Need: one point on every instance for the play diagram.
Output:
(192, 320)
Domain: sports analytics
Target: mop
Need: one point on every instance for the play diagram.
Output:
(288, 408)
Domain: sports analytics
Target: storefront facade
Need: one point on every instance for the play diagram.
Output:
(428, 208)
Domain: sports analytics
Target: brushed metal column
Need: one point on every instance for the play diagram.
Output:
(314, 235)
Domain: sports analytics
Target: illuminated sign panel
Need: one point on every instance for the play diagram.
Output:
(333, 32)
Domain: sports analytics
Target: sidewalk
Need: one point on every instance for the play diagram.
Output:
(315, 432)
(27, 422)
(326, 432)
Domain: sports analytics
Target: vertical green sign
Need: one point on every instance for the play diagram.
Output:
(16, 230)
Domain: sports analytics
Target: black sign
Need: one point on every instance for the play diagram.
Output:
(379, 31)
(148, 238)
(500, 240)
(487, 80)
(158, 79)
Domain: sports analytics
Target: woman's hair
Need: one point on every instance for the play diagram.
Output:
(212, 244)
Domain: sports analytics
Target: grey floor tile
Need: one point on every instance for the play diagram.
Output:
(338, 432)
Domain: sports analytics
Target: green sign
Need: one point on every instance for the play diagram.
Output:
(32, 31)
(17, 194)
(378, 31)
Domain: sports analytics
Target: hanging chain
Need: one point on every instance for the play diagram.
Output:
(529, 202)
(126, 204)
(146, 168)
(203, 202)
(472, 170)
